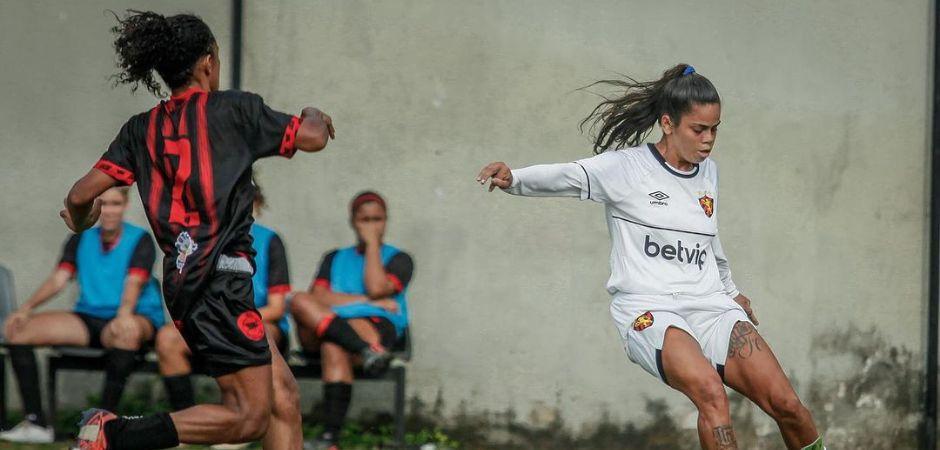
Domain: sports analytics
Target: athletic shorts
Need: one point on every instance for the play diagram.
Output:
(388, 337)
(95, 326)
(223, 329)
(642, 321)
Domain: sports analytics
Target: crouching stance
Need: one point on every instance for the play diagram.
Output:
(679, 314)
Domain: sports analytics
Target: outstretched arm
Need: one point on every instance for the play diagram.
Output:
(82, 206)
(546, 180)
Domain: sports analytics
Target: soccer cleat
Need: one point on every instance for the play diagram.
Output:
(27, 432)
(375, 360)
(91, 430)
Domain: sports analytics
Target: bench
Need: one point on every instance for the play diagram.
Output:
(302, 366)
(93, 360)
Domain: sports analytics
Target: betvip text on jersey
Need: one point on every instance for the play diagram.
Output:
(670, 252)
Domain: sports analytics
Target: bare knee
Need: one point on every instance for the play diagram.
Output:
(18, 337)
(127, 337)
(305, 307)
(169, 343)
(787, 406)
(252, 423)
(709, 395)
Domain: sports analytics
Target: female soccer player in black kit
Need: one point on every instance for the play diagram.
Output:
(191, 157)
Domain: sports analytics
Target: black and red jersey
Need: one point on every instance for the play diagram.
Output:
(191, 158)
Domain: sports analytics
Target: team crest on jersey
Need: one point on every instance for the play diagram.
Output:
(643, 322)
(708, 204)
(185, 246)
(249, 322)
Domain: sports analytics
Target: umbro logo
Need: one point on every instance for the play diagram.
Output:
(659, 198)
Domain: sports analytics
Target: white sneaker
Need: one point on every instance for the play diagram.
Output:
(229, 446)
(27, 432)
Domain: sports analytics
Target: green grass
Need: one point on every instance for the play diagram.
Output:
(374, 432)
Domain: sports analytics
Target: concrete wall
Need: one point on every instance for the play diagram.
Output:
(822, 149)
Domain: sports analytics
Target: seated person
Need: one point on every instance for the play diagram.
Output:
(271, 283)
(119, 308)
(355, 309)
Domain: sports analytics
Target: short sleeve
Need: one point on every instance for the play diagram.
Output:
(607, 176)
(267, 132)
(278, 273)
(399, 269)
(69, 259)
(117, 161)
(145, 254)
(323, 277)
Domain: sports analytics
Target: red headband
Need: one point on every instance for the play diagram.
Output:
(366, 197)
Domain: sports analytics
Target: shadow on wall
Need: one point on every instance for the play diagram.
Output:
(863, 394)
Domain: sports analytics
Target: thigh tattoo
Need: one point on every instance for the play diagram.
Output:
(745, 341)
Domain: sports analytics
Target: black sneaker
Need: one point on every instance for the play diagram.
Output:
(375, 360)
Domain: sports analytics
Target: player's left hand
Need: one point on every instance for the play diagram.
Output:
(388, 304)
(745, 303)
(122, 325)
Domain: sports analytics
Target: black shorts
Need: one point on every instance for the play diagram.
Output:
(222, 327)
(95, 326)
(388, 335)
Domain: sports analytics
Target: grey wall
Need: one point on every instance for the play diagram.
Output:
(822, 150)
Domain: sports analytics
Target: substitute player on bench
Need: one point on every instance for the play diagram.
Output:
(119, 308)
(191, 157)
(357, 301)
(678, 311)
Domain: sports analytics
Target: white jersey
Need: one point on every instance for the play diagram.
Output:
(663, 223)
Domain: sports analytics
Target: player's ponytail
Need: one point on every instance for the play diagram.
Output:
(628, 119)
(171, 46)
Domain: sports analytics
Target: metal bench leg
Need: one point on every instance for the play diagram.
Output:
(400, 407)
(51, 370)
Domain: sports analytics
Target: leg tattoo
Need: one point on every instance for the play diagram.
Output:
(744, 341)
(724, 437)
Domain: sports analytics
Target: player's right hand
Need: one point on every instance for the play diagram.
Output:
(88, 222)
(321, 116)
(14, 322)
(498, 173)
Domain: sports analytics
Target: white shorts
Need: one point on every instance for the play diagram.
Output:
(643, 320)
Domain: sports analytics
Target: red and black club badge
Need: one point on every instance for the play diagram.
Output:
(249, 322)
(643, 322)
(708, 204)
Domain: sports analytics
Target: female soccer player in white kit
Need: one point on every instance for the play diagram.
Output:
(678, 311)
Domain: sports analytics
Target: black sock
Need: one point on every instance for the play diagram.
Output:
(338, 331)
(118, 367)
(179, 389)
(336, 397)
(23, 359)
(142, 433)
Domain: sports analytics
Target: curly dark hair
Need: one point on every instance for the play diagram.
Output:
(147, 41)
(628, 119)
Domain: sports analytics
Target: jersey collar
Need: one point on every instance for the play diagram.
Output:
(669, 168)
